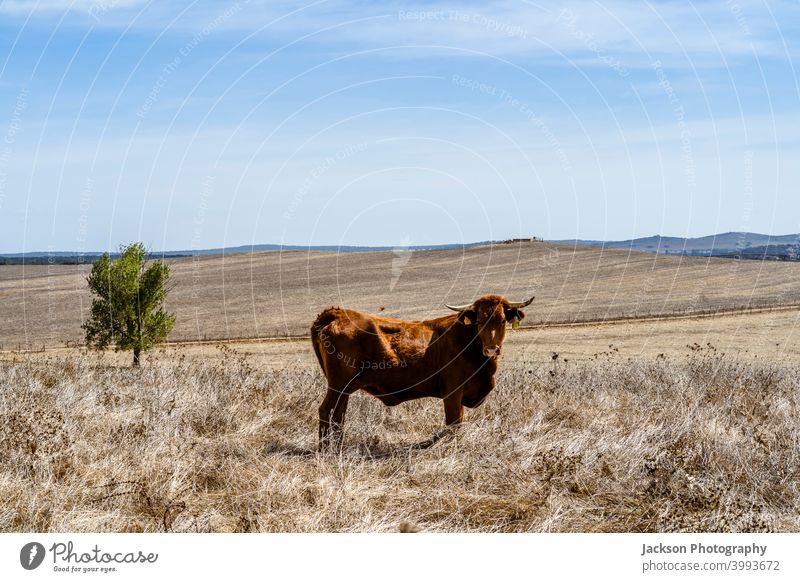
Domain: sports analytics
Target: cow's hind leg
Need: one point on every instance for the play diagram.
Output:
(331, 419)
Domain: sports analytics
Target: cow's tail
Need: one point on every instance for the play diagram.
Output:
(317, 338)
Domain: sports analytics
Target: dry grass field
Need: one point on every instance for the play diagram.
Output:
(697, 443)
(680, 424)
(275, 294)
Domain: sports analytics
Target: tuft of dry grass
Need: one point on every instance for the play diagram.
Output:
(702, 443)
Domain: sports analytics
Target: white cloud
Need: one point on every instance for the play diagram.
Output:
(633, 32)
(89, 7)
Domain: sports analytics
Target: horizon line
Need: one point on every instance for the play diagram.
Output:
(382, 247)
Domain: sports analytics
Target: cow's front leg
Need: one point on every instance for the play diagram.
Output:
(331, 419)
(453, 409)
(453, 415)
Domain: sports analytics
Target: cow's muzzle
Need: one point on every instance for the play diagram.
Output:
(491, 352)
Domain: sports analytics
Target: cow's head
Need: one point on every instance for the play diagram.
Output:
(488, 316)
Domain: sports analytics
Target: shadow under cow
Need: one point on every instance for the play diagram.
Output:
(365, 451)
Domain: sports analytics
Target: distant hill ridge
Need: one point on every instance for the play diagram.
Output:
(747, 245)
(725, 244)
(72, 257)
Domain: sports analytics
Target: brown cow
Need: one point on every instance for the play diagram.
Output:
(453, 358)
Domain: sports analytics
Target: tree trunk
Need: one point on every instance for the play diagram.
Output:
(136, 353)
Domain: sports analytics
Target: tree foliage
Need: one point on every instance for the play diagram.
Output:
(128, 307)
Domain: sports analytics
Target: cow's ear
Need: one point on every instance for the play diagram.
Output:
(513, 313)
(467, 317)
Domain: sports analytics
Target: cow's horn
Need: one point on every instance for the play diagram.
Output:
(458, 307)
(521, 303)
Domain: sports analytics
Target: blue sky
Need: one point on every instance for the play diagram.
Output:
(202, 124)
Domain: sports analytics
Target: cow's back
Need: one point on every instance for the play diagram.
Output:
(346, 341)
(398, 360)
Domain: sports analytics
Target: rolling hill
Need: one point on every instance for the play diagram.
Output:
(279, 293)
(725, 244)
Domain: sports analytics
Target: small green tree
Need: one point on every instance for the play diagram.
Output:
(128, 307)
